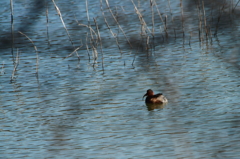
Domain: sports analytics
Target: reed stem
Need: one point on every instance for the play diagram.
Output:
(99, 38)
(35, 48)
(118, 23)
(109, 28)
(181, 5)
(47, 21)
(12, 31)
(61, 18)
(16, 63)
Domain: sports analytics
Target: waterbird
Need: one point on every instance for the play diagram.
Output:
(157, 98)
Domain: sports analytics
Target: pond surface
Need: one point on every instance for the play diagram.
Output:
(92, 107)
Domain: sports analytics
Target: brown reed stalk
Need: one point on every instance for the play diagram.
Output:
(205, 21)
(152, 10)
(119, 26)
(16, 63)
(87, 48)
(92, 42)
(90, 30)
(47, 21)
(219, 17)
(12, 30)
(182, 20)
(165, 24)
(2, 71)
(87, 13)
(94, 53)
(160, 16)
(72, 52)
(99, 38)
(109, 28)
(147, 43)
(89, 25)
(200, 22)
(35, 48)
(142, 21)
(61, 18)
(174, 29)
(190, 37)
(235, 6)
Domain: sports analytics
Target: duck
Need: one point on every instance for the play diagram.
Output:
(157, 98)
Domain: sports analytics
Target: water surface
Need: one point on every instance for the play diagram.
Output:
(94, 108)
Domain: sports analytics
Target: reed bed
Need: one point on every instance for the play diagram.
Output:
(155, 28)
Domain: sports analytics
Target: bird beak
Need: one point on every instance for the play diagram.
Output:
(144, 96)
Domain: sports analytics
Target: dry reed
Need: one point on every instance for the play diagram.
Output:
(2, 70)
(47, 22)
(174, 30)
(99, 38)
(160, 16)
(109, 28)
(87, 48)
(16, 63)
(152, 11)
(181, 6)
(35, 48)
(142, 21)
(61, 18)
(12, 31)
(117, 23)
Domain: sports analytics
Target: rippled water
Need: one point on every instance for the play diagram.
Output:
(74, 109)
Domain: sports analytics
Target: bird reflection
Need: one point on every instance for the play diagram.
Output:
(152, 106)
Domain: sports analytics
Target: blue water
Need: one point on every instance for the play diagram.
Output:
(93, 108)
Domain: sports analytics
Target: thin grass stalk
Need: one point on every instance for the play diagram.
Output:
(142, 21)
(182, 19)
(190, 39)
(109, 28)
(89, 26)
(205, 21)
(90, 30)
(210, 35)
(174, 30)
(143, 26)
(99, 38)
(147, 42)
(2, 71)
(35, 48)
(133, 60)
(16, 63)
(118, 23)
(235, 5)
(219, 17)
(199, 22)
(87, 13)
(152, 10)
(165, 23)
(94, 53)
(160, 16)
(72, 52)
(47, 21)
(153, 23)
(61, 18)
(12, 30)
(89, 59)
(91, 33)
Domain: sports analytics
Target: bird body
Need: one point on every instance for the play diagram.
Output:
(157, 98)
